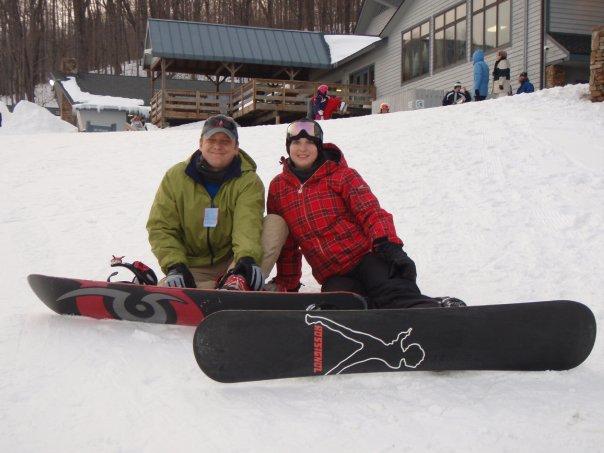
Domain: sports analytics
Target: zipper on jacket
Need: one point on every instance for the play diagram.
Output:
(208, 237)
(306, 216)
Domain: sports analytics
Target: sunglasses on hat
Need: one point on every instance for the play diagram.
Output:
(220, 123)
(304, 128)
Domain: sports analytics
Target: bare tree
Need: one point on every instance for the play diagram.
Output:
(103, 34)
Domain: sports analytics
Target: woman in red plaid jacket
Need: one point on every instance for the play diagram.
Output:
(337, 223)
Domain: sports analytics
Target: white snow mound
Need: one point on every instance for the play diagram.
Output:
(30, 118)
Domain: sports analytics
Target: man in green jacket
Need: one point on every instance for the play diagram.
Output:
(207, 217)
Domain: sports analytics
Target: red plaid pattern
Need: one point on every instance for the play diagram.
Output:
(333, 219)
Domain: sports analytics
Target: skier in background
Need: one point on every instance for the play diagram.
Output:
(525, 85)
(501, 75)
(337, 223)
(456, 96)
(481, 76)
(318, 103)
(136, 124)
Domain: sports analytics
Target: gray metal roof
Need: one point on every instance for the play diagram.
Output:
(237, 44)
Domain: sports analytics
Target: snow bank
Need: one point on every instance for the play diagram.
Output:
(30, 118)
(342, 46)
(4, 111)
(496, 202)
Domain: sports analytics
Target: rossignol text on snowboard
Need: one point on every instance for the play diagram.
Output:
(148, 303)
(235, 346)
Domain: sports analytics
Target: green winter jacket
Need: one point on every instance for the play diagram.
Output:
(175, 224)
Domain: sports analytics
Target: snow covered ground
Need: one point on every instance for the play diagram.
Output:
(498, 202)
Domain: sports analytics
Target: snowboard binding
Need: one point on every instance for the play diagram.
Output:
(143, 274)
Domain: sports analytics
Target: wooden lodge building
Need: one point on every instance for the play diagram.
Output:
(280, 70)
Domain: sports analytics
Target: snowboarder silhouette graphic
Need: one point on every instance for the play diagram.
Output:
(393, 354)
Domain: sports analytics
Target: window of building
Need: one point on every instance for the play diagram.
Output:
(450, 37)
(491, 21)
(416, 51)
(365, 76)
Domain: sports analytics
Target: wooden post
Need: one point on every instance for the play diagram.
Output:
(254, 93)
(152, 84)
(292, 73)
(162, 121)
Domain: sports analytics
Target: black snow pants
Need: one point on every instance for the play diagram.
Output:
(370, 278)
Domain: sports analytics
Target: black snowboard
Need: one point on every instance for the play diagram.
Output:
(146, 303)
(237, 346)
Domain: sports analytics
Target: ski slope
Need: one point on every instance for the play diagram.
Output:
(497, 202)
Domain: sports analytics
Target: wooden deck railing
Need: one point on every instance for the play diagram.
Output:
(255, 96)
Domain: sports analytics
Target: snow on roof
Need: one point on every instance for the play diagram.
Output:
(343, 46)
(87, 101)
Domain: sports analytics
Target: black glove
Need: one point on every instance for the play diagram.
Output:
(400, 264)
(248, 269)
(180, 276)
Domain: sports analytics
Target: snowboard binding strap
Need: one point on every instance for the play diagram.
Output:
(143, 274)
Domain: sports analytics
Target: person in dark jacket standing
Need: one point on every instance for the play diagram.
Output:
(337, 223)
(481, 76)
(525, 85)
(456, 96)
(501, 75)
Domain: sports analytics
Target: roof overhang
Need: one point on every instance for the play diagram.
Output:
(361, 52)
(215, 49)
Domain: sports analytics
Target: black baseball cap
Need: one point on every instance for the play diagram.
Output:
(220, 123)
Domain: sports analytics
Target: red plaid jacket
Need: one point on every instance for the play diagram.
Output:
(333, 219)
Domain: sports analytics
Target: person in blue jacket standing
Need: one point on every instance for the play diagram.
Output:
(525, 85)
(481, 76)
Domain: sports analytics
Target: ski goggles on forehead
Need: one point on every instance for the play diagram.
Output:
(311, 129)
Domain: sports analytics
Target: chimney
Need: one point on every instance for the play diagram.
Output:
(69, 66)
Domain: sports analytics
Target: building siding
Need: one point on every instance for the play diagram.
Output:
(554, 52)
(575, 16)
(387, 59)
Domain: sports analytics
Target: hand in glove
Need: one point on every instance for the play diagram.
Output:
(179, 276)
(248, 269)
(400, 264)
(275, 286)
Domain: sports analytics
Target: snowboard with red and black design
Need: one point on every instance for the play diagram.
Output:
(236, 346)
(156, 304)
